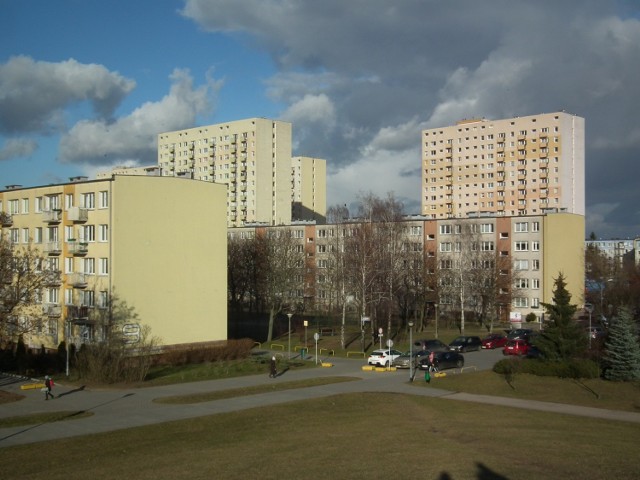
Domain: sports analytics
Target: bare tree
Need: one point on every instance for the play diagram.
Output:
(280, 268)
(25, 274)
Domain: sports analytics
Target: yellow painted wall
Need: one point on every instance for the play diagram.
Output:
(564, 252)
(169, 258)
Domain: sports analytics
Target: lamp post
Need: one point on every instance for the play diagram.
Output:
(589, 308)
(289, 315)
(410, 350)
(436, 307)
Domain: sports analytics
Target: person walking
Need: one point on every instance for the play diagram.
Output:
(48, 386)
(273, 369)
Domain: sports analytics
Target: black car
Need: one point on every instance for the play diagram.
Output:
(433, 345)
(466, 344)
(520, 334)
(444, 360)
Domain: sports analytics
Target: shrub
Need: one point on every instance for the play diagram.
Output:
(531, 317)
(572, 368)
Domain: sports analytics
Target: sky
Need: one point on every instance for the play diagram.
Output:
(88, 84)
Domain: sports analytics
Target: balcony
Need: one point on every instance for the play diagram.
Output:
(78, 280)
(77, 313)
(77, 214)
(78, 248)
(6, 220)
(52, 278)
(53, 249)
(52, 216)
(52, 310)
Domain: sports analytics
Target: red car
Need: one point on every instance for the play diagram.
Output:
(516, 347)
(494, 340)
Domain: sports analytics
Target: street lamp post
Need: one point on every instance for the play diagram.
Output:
(436, 307)
(289, 315)
(589, 308)
(410, 351)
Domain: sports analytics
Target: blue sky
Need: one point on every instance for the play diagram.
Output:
(88, 84)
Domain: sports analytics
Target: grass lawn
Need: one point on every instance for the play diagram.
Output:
(595, 393)
(350, 436)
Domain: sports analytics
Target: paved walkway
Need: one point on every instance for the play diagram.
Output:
(119, 409)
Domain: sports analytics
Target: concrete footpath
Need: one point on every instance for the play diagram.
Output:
(126, 408)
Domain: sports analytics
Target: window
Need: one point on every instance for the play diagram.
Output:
(321, 248)
(25, 205)
(486, 228)
(89, 233)
(535, 303)
(104, 266)
(446, 264)
(103, 198)
(89, 266)
(535, 226)
(322, 234)
(535, 284)
(89, 200)
(88, 298)
(68, 296)
(322, 264)
(416, 230)
(445, 246)
(53, 295)
(25, 235)
(521, 302)
(487, 246)
(68, 201)
(68, 265)
(38, 235)
(522, 227)
(445, 229)
(535, 264)
(103, 233)
(298, 234)
(14, 235)
(522, 246)
(14, 207)
(521, 264)
(522, 283)
(103, 299)
(535, 246)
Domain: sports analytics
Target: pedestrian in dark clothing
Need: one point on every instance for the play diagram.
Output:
(273, 369)
(48, 385)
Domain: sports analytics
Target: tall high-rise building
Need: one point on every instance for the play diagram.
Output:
(515, 166)
(252, 157)
(309, 193)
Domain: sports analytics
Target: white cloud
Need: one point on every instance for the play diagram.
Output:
(133, 138)
(17, 147)
(33, 94)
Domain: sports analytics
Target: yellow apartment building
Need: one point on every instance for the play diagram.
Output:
(536, 249)
(309, 192)
(135, 240)
(509, 167)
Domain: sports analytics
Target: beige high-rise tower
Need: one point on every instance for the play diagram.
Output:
(252, 157)
(515, 166)
(309, 192)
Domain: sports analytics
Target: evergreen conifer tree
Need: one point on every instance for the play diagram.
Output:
(562, 337)
(622, 350)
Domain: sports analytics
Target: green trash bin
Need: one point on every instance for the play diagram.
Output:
(303, 353)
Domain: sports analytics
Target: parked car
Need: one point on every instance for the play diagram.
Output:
(433, 345)
(534, 352)
(383, 357)
(520, 334)
(516, 347)
(444, 360)
(494, 340)
(403, 360)
(466, 344)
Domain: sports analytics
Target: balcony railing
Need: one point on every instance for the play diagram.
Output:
(52, 310)
(77, 214)
(52, 216)
(53, 248)
(52, 278)
(78, 280)
(77, 313)
(6, 220)
(78, 248)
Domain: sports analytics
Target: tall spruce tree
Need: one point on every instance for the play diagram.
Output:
(622, 349)
(562, 338)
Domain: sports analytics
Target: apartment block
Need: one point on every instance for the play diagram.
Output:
(509, 167)
(134, 241)
(308, 186)
(251, 157)
(530, 250)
